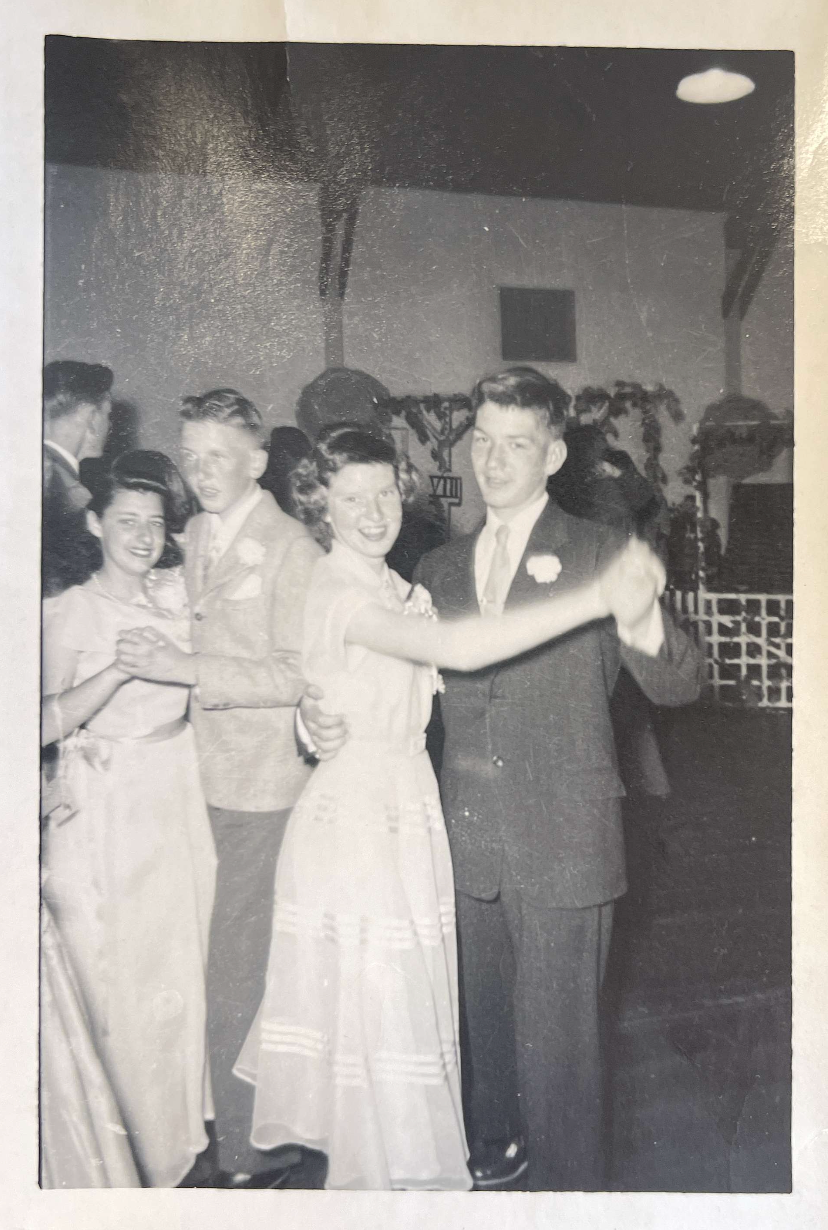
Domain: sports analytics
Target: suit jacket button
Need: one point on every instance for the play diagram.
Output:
(497, 761)
(198, 615)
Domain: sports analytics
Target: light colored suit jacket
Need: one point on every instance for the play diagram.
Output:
(247, 613)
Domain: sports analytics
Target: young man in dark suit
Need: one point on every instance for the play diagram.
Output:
(76, 408)
(530, 790)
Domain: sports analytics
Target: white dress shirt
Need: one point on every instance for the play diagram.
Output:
(70, 460)
(223, 530)
(520, 528)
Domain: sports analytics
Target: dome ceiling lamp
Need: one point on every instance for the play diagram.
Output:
(714, 85)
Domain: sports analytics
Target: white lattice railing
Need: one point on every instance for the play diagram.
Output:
(748, 643)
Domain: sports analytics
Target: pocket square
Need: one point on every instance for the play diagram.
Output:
(250, 587)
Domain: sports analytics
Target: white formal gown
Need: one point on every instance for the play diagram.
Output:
(128, 878)
(355, 1050)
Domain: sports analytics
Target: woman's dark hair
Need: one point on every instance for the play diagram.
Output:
(338, 446)
(146, 469)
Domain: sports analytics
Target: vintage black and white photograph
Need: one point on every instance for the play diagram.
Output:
(418, 623)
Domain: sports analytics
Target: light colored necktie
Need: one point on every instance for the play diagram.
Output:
(211, 556)
(500, 575)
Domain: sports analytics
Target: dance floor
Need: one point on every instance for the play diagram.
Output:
(700, 974)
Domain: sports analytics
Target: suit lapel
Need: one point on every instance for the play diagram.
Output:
(458, 591)
(549, 535)
(195, 550)
(74, 493)
(62, 464)
(230, 564)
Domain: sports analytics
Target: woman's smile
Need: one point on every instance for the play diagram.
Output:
(365, 508)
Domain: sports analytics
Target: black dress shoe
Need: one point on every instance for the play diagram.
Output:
(283, 1163)
(241, 1182)
(497, 1163)
(268, 1180)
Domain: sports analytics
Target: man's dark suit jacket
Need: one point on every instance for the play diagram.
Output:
(529, 780)
(66, 550)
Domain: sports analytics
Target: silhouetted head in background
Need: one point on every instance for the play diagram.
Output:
(288, 446)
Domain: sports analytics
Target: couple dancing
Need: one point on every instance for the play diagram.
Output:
(355, 1050)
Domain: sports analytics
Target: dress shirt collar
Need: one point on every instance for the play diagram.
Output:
(520, 527)
(70, 460)
(223, 530)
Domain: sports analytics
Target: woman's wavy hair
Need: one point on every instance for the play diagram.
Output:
(340, 445)
(146, 469)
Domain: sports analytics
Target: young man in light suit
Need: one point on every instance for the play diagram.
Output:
(247, 567)
(530, 790)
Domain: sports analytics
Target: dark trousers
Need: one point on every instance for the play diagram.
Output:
(247, 846)
(532, 1064)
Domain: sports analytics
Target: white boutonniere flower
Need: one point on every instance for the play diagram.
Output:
(167, 592)
(250, 552)
(419, 603)
(544, 568)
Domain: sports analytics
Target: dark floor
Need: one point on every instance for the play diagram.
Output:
(698, 985)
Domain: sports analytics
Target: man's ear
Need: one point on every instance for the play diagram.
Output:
(258, 462)
(93, 523)
(555, 456)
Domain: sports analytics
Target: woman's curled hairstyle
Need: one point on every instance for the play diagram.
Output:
(147, 470)
(338, 446)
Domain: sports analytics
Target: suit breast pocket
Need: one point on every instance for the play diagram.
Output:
(245, 590)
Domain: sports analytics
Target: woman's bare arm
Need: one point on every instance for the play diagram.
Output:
(66, 707)
(627, 588)
(471, 643)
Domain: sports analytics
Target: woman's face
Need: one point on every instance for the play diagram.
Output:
(131, 531)
(365, 509)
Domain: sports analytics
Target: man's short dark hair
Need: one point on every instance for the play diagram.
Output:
(68, 383)
(225, 406)
(525, 388)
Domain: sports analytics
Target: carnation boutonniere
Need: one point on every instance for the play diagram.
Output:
(250, 552)
(167, 592)
(544, 568)
(419, 602)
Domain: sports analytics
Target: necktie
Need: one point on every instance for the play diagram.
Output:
(212, 555)
(500, 575)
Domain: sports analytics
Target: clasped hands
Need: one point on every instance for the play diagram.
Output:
(631, 585)
(146, 653)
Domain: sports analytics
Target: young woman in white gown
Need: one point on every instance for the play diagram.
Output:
(128, 859)
(355, 1049)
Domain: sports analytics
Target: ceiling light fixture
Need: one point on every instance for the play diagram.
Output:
(715, 85)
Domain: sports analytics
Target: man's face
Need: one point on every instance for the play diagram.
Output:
(97, 427)
(220, 462)
(513, 453)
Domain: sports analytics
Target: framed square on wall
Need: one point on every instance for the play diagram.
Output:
(537, 325)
